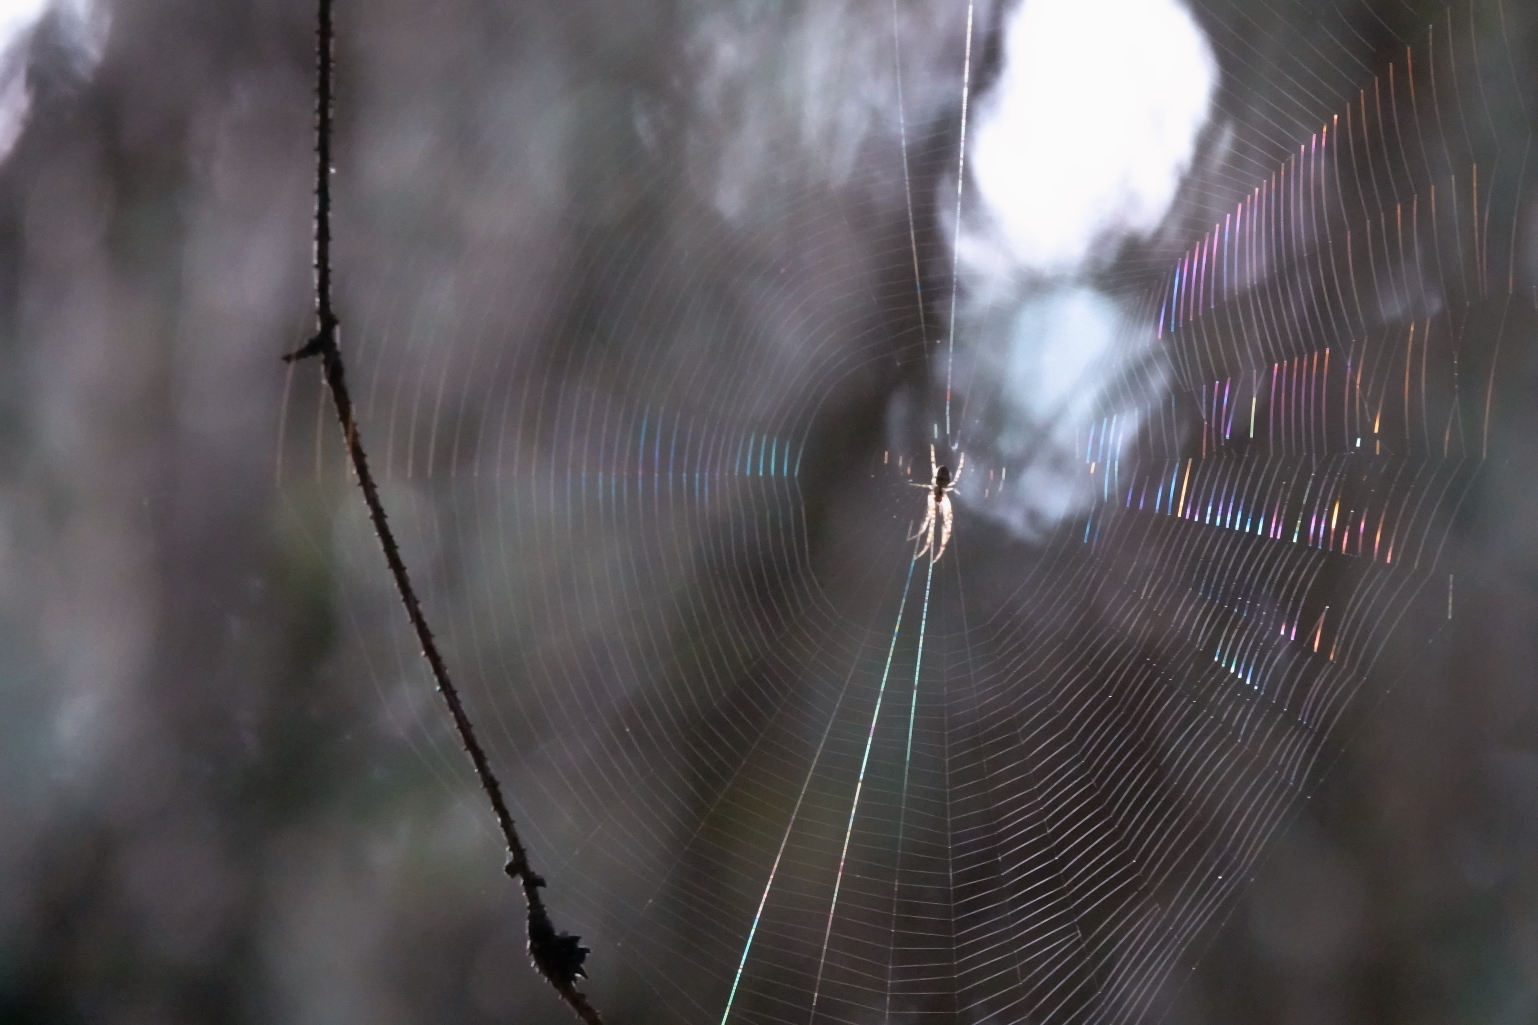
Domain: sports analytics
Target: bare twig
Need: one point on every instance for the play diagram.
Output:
(558, 956)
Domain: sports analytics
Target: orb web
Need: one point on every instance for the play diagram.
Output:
(651, 454)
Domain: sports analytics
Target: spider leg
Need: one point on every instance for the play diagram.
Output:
(962, 465)
(945, 528)
(927, 525)
(927, 531)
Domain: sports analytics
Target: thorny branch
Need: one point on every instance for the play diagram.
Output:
(557, 956)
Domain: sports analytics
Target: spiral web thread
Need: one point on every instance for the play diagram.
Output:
(770, 787)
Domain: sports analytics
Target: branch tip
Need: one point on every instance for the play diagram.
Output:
(557, 956)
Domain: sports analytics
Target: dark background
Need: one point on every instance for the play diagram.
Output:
(226, 793)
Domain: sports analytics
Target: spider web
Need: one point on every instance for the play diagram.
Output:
(651, 449)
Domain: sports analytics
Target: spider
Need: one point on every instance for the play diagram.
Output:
(938, 514)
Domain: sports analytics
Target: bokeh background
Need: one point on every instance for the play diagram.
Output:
(226, 793)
